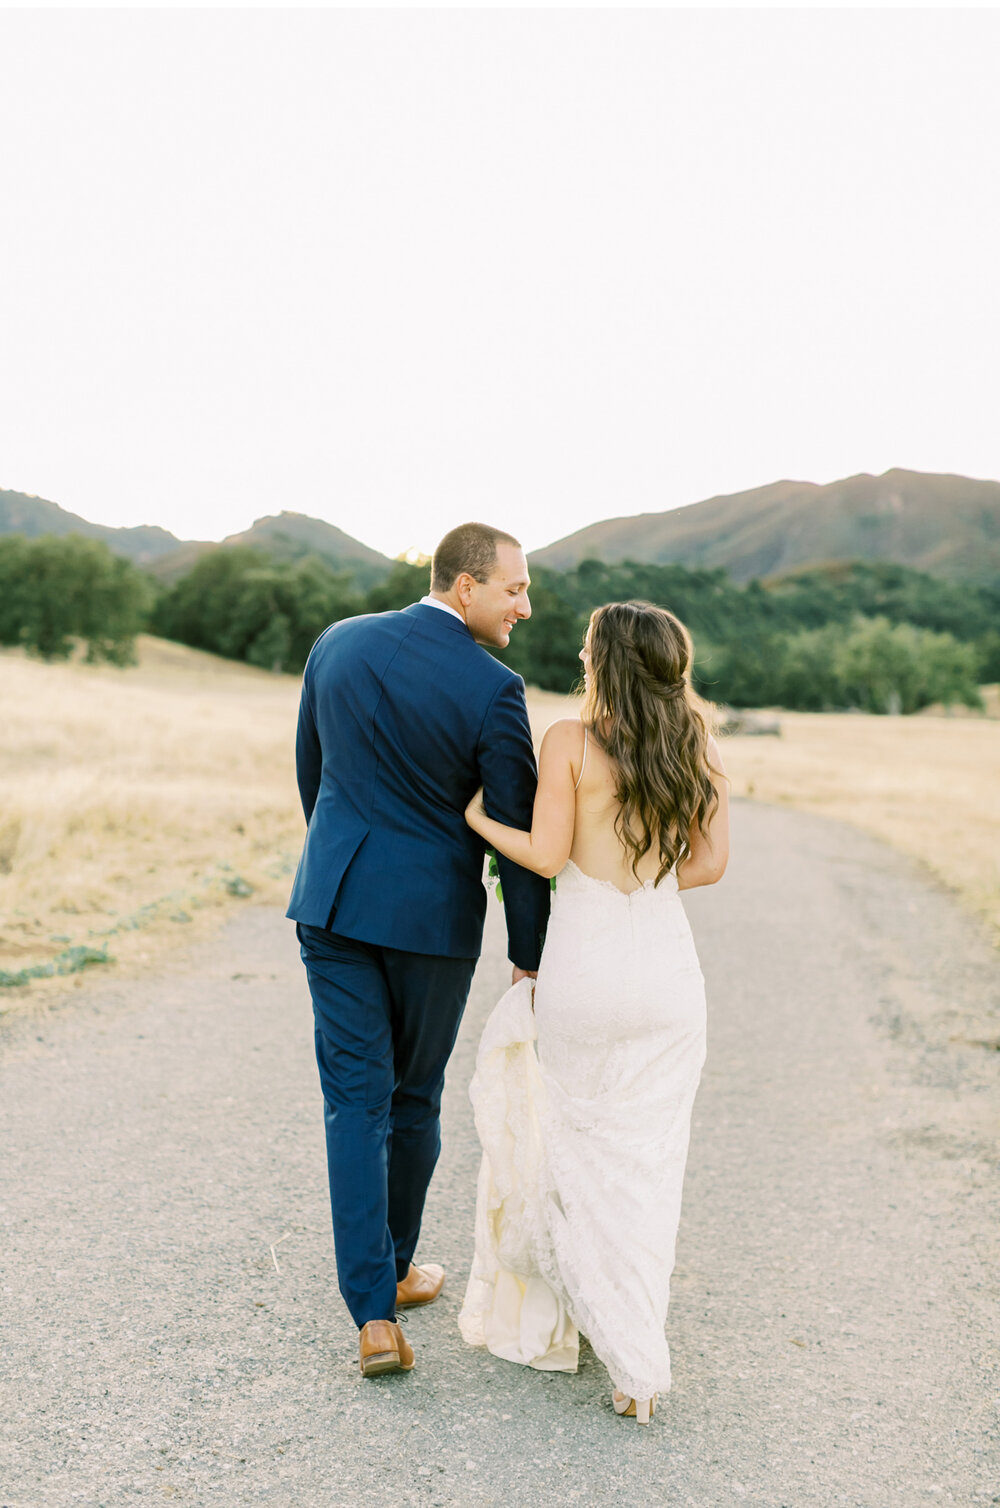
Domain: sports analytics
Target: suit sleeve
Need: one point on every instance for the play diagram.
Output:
(308, 755)
(509, 775)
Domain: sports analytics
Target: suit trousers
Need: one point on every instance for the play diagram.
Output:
(386, 1022)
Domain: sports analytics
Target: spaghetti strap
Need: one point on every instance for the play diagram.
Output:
(584, 764)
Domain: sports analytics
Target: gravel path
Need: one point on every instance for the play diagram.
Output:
(835, 1312)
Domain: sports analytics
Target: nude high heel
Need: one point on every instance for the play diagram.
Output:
(639, 1409)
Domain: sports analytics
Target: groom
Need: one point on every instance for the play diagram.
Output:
(403, 716)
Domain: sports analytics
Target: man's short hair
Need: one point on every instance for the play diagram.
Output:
(471, 548)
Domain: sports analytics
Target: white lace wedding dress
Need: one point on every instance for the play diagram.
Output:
(583, 1108)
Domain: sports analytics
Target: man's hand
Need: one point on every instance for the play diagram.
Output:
(520, 974)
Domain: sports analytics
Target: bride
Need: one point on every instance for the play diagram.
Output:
(585, 1078)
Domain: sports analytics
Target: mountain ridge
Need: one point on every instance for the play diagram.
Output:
(287, 535)
(941, 523)
(25, 513)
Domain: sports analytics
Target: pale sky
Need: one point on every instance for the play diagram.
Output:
(400, 269)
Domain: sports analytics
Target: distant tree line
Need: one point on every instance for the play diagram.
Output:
(871, 635)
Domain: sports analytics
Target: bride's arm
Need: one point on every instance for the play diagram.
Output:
(709, 851)
(546, 848)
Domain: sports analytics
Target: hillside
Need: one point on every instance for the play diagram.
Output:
(286, 536)
(948, 526)
(292, 535)
(21, 513)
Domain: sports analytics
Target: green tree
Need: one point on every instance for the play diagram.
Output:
(404, 584)
(57, 590)
(240, 603)
(808, 678)
(13, 575)
(744, 671)
(197, 609)
(894, 668)
(271, 647)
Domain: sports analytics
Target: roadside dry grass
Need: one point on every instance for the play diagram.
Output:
(929, 785)
(138, 807)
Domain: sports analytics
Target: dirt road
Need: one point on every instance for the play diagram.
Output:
(171, 1327)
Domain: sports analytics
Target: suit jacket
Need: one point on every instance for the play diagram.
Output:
(402, 716)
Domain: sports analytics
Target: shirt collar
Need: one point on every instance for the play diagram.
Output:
(445, 608)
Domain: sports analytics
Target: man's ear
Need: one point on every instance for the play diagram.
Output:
(464, 584)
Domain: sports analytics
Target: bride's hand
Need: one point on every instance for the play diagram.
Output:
(475, 809)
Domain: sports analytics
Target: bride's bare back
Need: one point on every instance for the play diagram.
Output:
(597, 848)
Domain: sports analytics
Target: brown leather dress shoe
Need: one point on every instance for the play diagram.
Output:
(384, 1348)
(420, 1286)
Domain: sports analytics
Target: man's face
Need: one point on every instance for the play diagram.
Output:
(493, 607)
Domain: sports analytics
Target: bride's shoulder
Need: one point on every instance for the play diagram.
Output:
(564, 733)
(563, 743)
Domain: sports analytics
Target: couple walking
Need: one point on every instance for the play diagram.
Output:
(413, 753)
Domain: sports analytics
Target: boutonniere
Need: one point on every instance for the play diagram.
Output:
(493, 874)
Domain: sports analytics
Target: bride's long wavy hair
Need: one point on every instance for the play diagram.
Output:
(641, 708)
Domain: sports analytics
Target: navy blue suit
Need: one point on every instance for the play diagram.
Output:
(402, 716)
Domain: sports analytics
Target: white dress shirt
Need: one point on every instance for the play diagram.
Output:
(444, 606)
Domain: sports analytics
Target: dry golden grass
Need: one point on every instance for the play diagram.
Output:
(930, 786)
(131, 800)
